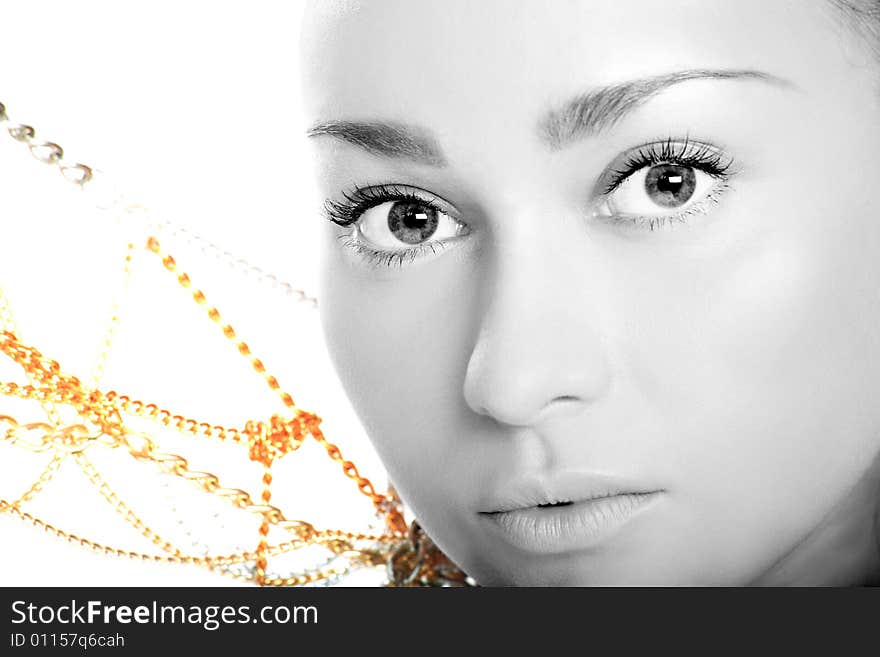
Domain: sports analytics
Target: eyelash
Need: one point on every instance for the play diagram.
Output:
(359, 200)
(380, 258)
(682, 152)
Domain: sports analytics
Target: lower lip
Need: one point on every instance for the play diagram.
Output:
(576, 526)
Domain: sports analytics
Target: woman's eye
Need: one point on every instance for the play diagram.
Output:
(658, 190)
(403, 224)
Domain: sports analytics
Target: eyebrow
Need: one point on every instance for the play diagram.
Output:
(599, 109)
(586, 114)
(388, 139)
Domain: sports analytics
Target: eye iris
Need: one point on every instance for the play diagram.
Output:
(670, 185)
(412, 222)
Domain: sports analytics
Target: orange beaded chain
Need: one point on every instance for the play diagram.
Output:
(410, 557)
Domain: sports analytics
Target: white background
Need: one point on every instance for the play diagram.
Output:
(192, 108)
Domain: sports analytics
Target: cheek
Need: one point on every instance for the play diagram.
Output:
(768, 379)
(399, 342)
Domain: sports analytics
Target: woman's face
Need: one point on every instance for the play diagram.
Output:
(625, 249)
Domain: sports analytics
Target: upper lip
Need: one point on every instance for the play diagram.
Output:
(531, 491)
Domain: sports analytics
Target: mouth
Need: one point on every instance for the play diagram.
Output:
(580, 514)
(551, 505)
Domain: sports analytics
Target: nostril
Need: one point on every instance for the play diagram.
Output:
(565, 401)
(563, 405)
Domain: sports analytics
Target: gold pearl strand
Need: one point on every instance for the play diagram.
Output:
(267, 441)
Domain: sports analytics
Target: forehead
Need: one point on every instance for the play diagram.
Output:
(433, 57)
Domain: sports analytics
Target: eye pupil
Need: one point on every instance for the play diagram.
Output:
(412, 222)
(670, 185)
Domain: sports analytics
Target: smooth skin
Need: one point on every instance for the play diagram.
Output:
(730, 359)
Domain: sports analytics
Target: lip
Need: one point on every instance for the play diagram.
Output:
(596, 507)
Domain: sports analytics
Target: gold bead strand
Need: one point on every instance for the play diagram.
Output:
(262, 546)
(214, 314)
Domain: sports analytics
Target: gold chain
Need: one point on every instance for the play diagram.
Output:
(409, 556)
(121, 507)
(7, 321)
(110, 333)
(43, 479)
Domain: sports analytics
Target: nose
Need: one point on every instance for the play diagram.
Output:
(539, 350)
